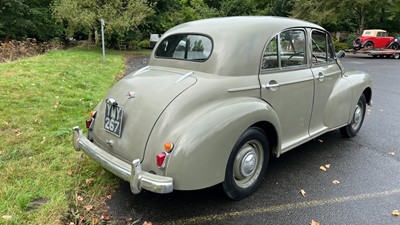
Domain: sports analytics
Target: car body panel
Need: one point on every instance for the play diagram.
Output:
(203, 107)
(153, 85)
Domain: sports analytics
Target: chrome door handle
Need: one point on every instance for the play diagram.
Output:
(270, 86)
(321, 76)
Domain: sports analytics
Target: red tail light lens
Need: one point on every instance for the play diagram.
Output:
(89, 122)
(161, 159)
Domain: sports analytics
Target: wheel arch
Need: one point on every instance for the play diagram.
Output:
(368, 95)
(271, 134)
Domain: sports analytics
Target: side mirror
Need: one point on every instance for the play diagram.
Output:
(341, 54)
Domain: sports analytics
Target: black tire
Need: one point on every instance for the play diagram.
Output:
(247, 164)
(352, 129)
(394, 46)
(369, 45)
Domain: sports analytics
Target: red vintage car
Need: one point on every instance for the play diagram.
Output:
(373, 39)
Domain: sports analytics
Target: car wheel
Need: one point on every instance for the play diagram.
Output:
(394, 46)
(247, 164)
(369, 45)
(352, 129)
(396, 56)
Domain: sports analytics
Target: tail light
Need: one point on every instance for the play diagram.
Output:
(161, 159)
(91, 119)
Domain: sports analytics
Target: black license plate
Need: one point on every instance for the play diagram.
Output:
(113, 119)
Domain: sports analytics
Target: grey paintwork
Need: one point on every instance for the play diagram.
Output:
(204, 107)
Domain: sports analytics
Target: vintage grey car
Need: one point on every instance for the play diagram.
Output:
(219, 98)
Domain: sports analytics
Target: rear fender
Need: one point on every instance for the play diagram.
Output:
(201, 154)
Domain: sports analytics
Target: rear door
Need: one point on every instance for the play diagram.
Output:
(287, 84)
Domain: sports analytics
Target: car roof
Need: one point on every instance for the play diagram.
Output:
(238, 42)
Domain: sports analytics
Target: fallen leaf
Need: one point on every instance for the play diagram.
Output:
(89, 181)
(303, 193)
(2, 152)
(79, 198)
(392, 153)
(313, 222)
(38, 121)
(91, 104)
(147, 223)
(328, 166)
(322, 168)
(336, 182)
(88, 207)
(43, 140)
(109, 196)
(17, 132)
(7, 217)
(69, 172)
(396, 213)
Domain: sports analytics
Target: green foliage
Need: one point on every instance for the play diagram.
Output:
(23, 18)
(84, 15)
(349, 14)
(237, 8)
(43, 97)
(341, 45)
(143, 44)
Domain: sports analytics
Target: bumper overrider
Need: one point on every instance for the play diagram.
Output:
(130, 172)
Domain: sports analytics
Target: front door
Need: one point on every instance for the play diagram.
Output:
(329, 109)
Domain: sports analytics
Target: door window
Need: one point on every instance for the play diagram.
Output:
(286, 49)
(322, 49)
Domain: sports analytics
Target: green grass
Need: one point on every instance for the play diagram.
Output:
(41, 99)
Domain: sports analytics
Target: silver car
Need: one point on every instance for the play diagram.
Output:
(219, 98)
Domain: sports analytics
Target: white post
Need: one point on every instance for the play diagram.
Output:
(102, 40)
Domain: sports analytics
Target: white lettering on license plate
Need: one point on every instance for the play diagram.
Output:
(113, 119)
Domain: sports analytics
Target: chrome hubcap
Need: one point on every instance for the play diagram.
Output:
(248, 163)
(358, 115)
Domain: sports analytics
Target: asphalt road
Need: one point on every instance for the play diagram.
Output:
(367, 167)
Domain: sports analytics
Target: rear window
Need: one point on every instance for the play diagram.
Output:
(192, 47)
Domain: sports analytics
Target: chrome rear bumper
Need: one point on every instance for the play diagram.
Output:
(132, 173)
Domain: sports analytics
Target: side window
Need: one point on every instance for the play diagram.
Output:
(381, 34)
(286, 49)
(322, 51)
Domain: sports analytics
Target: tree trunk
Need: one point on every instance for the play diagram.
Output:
(96, 37)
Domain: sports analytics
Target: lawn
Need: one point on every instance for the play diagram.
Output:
(43, 180)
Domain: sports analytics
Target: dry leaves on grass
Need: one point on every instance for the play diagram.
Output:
(89, 181)
(7, 217)
(147, 223)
